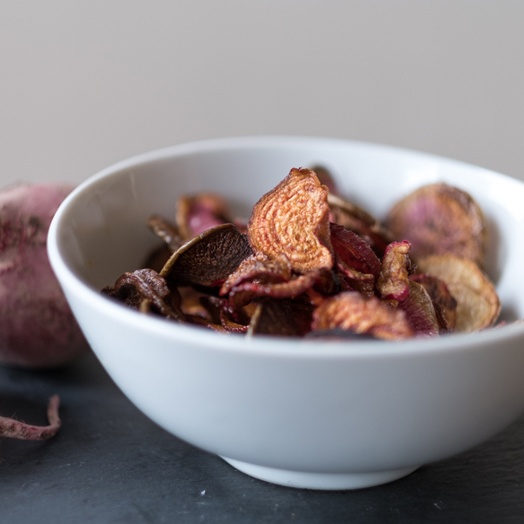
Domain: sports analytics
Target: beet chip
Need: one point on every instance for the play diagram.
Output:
(393, 281)
(356, 313)
(438, 218)
(196, 214)
(209, 258)
(443, 301)
(354, 251)
(293, 220)
(297, 285)
(146, 290)
(355, 259)
(168, 232)
(478, 305)
(356, 219)
(284, 318)
(420, 311)
(170, 236)
(259, 269)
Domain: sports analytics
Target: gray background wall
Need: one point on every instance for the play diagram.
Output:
(85, 84)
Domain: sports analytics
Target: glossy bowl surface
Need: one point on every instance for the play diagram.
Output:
(321, 415)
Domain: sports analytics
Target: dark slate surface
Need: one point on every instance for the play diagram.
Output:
(109, 463)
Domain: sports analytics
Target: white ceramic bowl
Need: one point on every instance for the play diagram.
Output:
(322, 415)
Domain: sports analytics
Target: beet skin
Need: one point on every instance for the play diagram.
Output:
(37, 328)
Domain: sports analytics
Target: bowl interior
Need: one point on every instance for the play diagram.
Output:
(334, 416)
(101, 228)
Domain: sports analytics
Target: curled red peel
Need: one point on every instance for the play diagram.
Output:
(12, 428)
(247, 291)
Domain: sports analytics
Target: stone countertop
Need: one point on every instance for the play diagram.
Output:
(111, 464)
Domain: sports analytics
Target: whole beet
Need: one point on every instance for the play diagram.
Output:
(37, 328)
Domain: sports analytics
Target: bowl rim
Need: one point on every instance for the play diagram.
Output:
(198, 336)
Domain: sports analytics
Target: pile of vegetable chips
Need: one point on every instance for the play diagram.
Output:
(310, 263)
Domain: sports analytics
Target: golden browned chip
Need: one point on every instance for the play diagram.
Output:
(362, 315)
(293, 220)
(439, 218)
(478, 305)
(393, 280)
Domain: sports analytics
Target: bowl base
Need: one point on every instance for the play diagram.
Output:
(319, 481)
